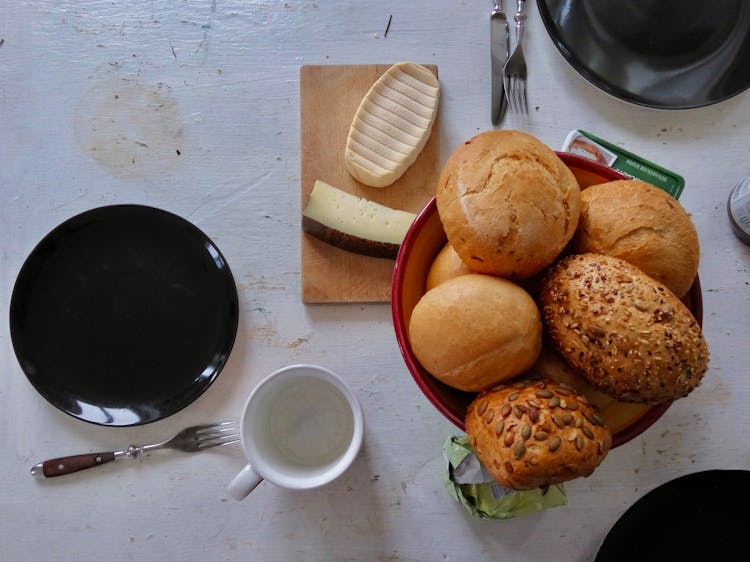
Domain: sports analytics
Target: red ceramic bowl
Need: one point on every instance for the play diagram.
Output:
(422, 243)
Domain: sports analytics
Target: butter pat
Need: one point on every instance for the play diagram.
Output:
(392, 124)
(354, 224)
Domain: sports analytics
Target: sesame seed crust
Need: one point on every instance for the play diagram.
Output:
(625, 332)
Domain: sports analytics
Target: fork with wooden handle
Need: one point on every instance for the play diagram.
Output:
(189, 440)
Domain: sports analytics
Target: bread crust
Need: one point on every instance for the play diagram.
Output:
(473, 331)
(616, 415)
(535, 433)
(552, 367)
(508, 204)
(446, 265)
(643, 225)
(625, 332)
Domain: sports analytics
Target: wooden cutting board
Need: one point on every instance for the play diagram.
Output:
(329, 97)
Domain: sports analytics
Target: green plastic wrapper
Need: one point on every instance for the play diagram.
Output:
(585, 144)
(469, 483)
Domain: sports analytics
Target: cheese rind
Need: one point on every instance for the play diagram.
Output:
(392, 124)
(353, 223)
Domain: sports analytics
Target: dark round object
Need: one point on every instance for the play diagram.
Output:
(123, 315)
(701, 516)
(667, 54)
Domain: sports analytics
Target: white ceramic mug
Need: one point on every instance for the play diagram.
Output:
(301, 428)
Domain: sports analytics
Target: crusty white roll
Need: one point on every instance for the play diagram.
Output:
(643, 225)
(625, 332)
(446, 265)
(533, 433)
(474, 331)
(508, 204)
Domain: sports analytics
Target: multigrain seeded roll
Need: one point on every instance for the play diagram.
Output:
(625, 332)
(643, 225)
(508, 204)
(534, 433)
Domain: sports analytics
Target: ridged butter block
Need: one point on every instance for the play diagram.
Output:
(392, 124)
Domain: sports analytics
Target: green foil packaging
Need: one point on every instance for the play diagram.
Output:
(469, 483)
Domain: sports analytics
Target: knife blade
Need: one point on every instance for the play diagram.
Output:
(499, 52)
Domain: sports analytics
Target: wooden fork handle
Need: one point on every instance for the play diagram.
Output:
(66, 465)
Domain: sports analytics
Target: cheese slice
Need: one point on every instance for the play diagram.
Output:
(354, 224)
(392, 124)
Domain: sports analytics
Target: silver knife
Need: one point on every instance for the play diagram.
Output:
(499, 51)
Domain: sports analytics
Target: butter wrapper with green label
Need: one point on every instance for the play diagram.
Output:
(585, 144)
(469, 483)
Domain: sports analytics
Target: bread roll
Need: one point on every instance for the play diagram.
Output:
(508, 204)
(643, 225)
(534, 433)
(474, 331)
(550, 366)
(446, 265)
(625, 332)
(617, 416)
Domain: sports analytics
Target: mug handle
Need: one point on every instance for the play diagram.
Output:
(244, 483)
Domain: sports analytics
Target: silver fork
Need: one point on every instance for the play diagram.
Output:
(514, 72)
(189, 440)
(499, 52)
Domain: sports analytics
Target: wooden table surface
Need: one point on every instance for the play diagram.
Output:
(194, 107)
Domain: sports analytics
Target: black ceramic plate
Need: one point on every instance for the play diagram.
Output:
(668, 54)
(701, 516)
(123, 315)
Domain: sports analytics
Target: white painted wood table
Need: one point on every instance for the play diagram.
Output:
(218, 81)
